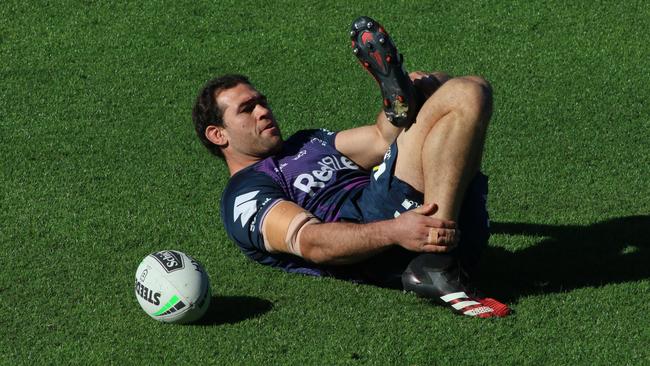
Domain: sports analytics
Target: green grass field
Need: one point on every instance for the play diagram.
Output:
(100, 167)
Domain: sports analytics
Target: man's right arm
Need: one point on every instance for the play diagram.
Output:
(290, 229)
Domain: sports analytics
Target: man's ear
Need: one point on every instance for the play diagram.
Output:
(217, 135)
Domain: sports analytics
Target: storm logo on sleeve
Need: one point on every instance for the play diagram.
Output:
(245, 206)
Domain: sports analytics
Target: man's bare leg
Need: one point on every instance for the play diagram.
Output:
(441, 153)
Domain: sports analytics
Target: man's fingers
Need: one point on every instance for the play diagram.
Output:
(435, 249)
(415, 75)
(437, 237)
(446, 237)
(426, 83)
(440, 223)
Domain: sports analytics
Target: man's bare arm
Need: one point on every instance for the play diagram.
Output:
(366, 145)
(290, 229)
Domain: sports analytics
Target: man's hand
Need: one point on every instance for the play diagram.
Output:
(416, 231)
(428, 83)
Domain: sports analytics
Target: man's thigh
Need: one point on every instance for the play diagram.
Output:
(410, 142)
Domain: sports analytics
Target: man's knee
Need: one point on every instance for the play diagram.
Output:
(471, 95)
(481, 82)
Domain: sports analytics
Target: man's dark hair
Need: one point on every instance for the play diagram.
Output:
(206, 112)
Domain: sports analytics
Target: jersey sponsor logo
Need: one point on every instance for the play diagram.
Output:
(330, 164)
(245, 206)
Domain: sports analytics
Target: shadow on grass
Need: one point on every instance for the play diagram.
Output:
(568, 257)
(233, 309)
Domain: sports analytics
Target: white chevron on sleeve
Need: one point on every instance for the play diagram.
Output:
(245, 206)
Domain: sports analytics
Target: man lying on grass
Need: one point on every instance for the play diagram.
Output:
(383, 204)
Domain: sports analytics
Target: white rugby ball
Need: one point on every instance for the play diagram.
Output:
(172, 287)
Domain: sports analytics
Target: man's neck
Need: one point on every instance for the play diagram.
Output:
(237, 161)
(235, 164)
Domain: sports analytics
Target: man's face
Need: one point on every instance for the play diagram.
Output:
(249, 124)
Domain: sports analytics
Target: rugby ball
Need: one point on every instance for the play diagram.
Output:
(172, 287)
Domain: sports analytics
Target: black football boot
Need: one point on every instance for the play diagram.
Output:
(439, 277)
(377, 53)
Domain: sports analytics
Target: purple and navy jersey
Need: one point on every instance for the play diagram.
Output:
(308, 171)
